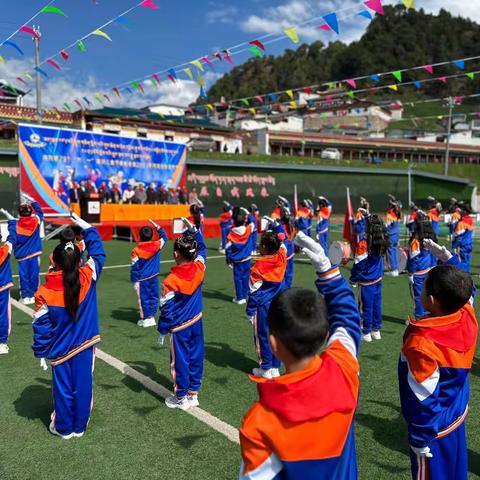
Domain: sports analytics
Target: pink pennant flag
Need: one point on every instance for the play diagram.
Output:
(30, 31)
(218, 56)
(227, 57)
(328, 98)
(352, 83)
(157, 78)
(171, 78)
(149, 4)
(375, 5)
(428, 68)
(259, 98)
(325, 27)
(207, 61)
(458, 99)
(20, 79)
(65, 55)
(442, 79)
(53, 63)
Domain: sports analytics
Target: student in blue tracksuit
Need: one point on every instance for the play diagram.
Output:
(433, 371)
(252, 219)
(324, 213)
(144, 273)
(394, 215)
(225, 225)
(305, 217)
(434, 214)
(411, 218)
(6, 283)
(367, 272)
(181, 310)
(69, 234)
(66, 329)
(419, 260)
(462, 237)
(266, 281)
(24, 235)
(238, 254)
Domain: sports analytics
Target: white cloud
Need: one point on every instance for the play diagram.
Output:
(221, 14)
(60, 89)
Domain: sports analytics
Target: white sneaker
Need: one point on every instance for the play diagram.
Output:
(78, 435)
(367, 338)
(54, 432)
(243, 301)
(31, 301)
(24, 301)
(376, 335)
(140, 323)
(149, 322)
(261, 372)
(222, 251)
(193, 400)
(275, 372)
(393, 273)
(3, 348)
(174, 402)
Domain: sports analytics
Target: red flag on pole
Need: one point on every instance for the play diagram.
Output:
(295, 201)
(348, 233)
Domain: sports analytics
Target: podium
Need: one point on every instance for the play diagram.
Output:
(90, 208)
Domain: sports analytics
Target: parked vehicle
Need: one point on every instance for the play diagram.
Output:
(331, 154)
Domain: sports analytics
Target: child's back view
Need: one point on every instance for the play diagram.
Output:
(302, 427)
(433, 371)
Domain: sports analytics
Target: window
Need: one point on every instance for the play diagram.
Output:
(169, 138)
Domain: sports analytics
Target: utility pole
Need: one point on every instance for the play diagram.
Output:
(38, 87)
(450, 104)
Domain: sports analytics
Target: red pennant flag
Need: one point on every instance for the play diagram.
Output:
(116, 91)
(257, 43)
(307, 90)
(65, 55)
(348, 221)
(20, 79)
(107, 98)
(218, 56)
(171, 77)
(78, 103)
(53, 63)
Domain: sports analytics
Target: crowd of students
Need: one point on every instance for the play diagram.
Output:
(303, 424)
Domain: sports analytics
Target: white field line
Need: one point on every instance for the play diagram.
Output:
(112, 267)
(231, 433)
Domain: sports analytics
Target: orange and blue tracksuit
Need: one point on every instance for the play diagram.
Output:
(238, 254)
(462, 242)
(454, 219)
(289, 237)
(411, 222)
(24, 235)
(323, 226)
(225, 226)
(433, 373)
(6, 283)
(144, 274)
(68, 342)
(181, 309)
(252, 219)
(304, 221)
(393, 230)
(81, 246)
(434, 216)
(360, 227)
(266, 282)
(303, 424)
(367, 272)
(419, 263)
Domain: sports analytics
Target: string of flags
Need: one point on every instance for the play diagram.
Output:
(64, 53)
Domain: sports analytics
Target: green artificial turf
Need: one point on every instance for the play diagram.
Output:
(133, 435)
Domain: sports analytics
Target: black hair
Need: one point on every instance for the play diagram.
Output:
(377, 236)
(271, 242)
(186, 245)
(238, 216)
(450, 286)
(25, 210)
(298, 318)
(77, 230)
(287, 219)
(253, 208)
(66, 235)
(322, 202)
(465, 208)
(146, 234)
(67, 259)
(423, 228)
(196, 213)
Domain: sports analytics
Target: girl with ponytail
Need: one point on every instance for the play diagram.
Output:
(66, 329)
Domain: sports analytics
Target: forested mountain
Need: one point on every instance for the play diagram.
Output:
(399, 39)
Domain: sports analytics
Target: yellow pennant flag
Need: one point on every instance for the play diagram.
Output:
(201, 81)
(210, 107)
(101, 34)
(2, 60)
(198, 64)
(293, 104)
(393, 87)
(409, 4)
(28, 76)
(252, 111)
(188, 71)
(292, 34)
(290, 93)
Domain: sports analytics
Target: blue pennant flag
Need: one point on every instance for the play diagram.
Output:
(417, 83)
(173, 73)
(332, 21)
(366, 14)
(459, 64)
(14, 46)
(375, 77)
(87, 101)
(41, 71)
(273, 97)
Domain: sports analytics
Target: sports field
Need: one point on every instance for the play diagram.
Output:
(132, 435)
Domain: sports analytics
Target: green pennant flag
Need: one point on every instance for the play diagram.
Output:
(135, 85)
(350, 94)
(330, 85)
(245, 102)
(81, 46)
(470, 75)
(256, 51)
(67, 106)
(398, 75)
(154, 83)
(12, 88)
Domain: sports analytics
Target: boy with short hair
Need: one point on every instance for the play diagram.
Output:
(302, 427)
(434, 364)
(144, 273)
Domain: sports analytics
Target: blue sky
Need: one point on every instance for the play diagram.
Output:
(154, 40)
